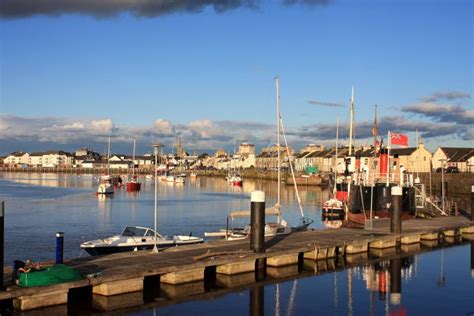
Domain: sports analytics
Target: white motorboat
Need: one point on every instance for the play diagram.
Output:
(179, 179)
(135, 238)
(170, 179)
(272, 228)
(105, 186)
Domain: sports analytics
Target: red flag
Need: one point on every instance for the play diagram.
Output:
(399, 139)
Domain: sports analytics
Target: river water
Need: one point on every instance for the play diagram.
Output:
(39, 205)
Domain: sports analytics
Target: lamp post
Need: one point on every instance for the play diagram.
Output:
(156, 148)
(442, 182)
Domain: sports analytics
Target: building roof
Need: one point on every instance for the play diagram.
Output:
(458, 154)
(17, 153)
(402, 151)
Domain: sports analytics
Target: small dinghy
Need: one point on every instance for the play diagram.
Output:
(135, 238)
(48, 275)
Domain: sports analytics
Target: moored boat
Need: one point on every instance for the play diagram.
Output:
(48, 275)
(135, 238)
(132, 183)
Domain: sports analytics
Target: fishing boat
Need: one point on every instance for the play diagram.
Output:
(48, 275)
(135, 238)
(132, 183)
(272, 228)
(366, 192)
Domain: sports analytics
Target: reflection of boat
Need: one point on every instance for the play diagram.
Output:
(333, 209)
(48, 275)
(135, 238)
(132, 183)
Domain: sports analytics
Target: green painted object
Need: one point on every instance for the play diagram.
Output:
(49, 275)
(311, 169)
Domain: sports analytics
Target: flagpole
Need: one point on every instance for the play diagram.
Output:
(388, 157)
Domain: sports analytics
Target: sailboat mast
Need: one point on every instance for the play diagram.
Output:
(133, 159)
(337, 145)
(375, 131)
(278, 139)
(351, 123)
(108, 157)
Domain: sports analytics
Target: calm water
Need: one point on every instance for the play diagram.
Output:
(38, 205)
(434, 282)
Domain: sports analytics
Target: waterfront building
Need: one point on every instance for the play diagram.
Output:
(16, 158)
(461, 158)
(246, 149)
(268, 158)
(413, 159)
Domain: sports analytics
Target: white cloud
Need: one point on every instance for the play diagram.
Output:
(105, 126)
(164, 127)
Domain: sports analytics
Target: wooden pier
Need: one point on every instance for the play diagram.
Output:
(118, 280)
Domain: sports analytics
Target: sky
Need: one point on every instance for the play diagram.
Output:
(73, 72)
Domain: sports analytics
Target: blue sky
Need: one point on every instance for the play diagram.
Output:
(69, 79)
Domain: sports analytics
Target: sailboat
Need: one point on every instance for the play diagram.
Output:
(280, 226)
(106, 185)
(132, 183)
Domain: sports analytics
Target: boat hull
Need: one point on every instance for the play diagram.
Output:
(107, 250)
(133, 186)
(49, 275)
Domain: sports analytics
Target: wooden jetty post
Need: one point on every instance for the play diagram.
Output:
(59, 247)
(472, 203)
(395, 219)
(257, 221)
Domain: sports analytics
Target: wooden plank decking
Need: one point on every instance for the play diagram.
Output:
(138, 265)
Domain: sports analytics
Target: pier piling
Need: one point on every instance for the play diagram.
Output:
(257, 221)
(59, 247)
(472, 203)
(395, 220)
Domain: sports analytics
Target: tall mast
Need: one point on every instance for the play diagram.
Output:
(351, 123)
(337, 144)
(375, 131)
(277, 79)
(108, 157)
(133, 159)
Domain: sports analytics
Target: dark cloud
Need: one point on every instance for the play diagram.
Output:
(307, 2)
(323, 103)
(446, 95)
(442, 112)
(138, 8)
(363, 130)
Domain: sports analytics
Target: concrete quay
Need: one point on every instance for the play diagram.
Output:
(121, 280)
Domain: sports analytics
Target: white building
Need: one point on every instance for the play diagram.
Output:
(462, 158)
(15, 158)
